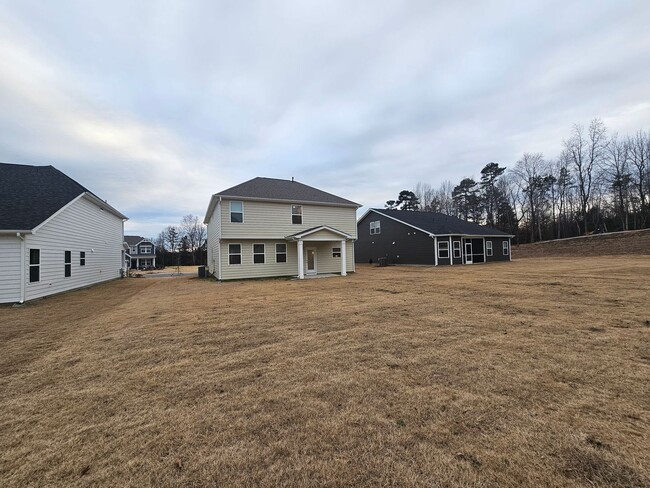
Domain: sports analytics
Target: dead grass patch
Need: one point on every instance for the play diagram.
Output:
(460, 376)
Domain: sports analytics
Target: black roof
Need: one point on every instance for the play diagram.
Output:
(440, 224)
(29, 195)
(275, 189)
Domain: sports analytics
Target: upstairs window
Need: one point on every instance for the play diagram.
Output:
(145, 249)
(280, 253)
(82, 258)
(67, 263)
(488, 248)
(234, 253)
(443, 249)
(375, 227)
(296, 214)
(134, 250)
(506, 248)
(237, 212)
(336, 252)
(456, 249)
(34, 265)
(258, 253)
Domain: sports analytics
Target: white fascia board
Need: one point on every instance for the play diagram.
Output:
(396, 220)
(70, 203)
(213, 203)
(103, 205)
(318, 229)
(13, 232)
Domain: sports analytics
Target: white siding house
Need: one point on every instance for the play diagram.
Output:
(74, 244)
(267, 227)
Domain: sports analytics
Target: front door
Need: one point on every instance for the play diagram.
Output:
(468, 253)
(311, 260)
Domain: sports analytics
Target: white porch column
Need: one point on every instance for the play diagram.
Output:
(344, 264)
(435, 249)
(137, 263)
(451, 252)
(154, 262)
(301, 266)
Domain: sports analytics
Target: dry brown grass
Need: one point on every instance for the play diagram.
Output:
(530, 373)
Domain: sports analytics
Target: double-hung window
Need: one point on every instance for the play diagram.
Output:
(237, 212)
(296, 214)
(234, 253)
(443, 249)
(258, 253)
(82, 258)
(488, 248)
(456, 249)
(34, 265)
(375, 227)
(506, 248)
(336, 252)
(67, 263)
(145, 249)
(280, 253)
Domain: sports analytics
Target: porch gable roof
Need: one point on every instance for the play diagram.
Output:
(338, 234)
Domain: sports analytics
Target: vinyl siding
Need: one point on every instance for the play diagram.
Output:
(82, 226)
(9, 269)
(214, 233)
(325, 263)
(265, 220)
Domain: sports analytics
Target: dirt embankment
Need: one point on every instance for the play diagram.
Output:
(613, 244)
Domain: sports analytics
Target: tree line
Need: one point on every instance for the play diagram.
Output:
(598, 183)
(184, 244)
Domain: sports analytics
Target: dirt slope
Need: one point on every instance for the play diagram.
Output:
(612, 244)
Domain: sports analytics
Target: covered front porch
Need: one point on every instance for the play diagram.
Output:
(324, 244)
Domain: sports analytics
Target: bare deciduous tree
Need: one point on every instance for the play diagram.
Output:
(193, 231)
(586, 150)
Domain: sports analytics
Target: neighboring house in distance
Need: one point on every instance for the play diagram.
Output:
(142, 252)
(406, 237)
(55, 235)
(270, 227)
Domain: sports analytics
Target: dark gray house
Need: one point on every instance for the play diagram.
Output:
(405, 237)
(141, 251)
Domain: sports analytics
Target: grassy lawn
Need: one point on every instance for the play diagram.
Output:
(530, 373)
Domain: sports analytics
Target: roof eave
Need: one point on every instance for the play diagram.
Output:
(286, 200)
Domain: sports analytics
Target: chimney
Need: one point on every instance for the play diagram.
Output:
(292, 179)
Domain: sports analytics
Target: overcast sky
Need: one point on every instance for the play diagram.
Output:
(155, 106)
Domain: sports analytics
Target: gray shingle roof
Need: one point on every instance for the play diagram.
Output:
(440, 224)
(133, 240)
(29, 195)
(275, 189)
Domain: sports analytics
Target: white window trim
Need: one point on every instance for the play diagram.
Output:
(146, 249)
(457, 248)
(488, 248)
(134, 250)
(375, 226)
(29, 257)
(441, 250)
(240, 253)
(263, 253)
(285, 253)
(297, 215)
(242, 211)
(334, 252)
(82, 259)
(506, 248)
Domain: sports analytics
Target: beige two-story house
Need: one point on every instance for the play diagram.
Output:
(268, 227)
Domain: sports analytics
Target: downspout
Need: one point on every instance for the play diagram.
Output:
(435, 249)
(22, 267)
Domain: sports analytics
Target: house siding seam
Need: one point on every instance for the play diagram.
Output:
(82, 226)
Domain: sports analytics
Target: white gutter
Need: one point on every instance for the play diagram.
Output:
(22, 267)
